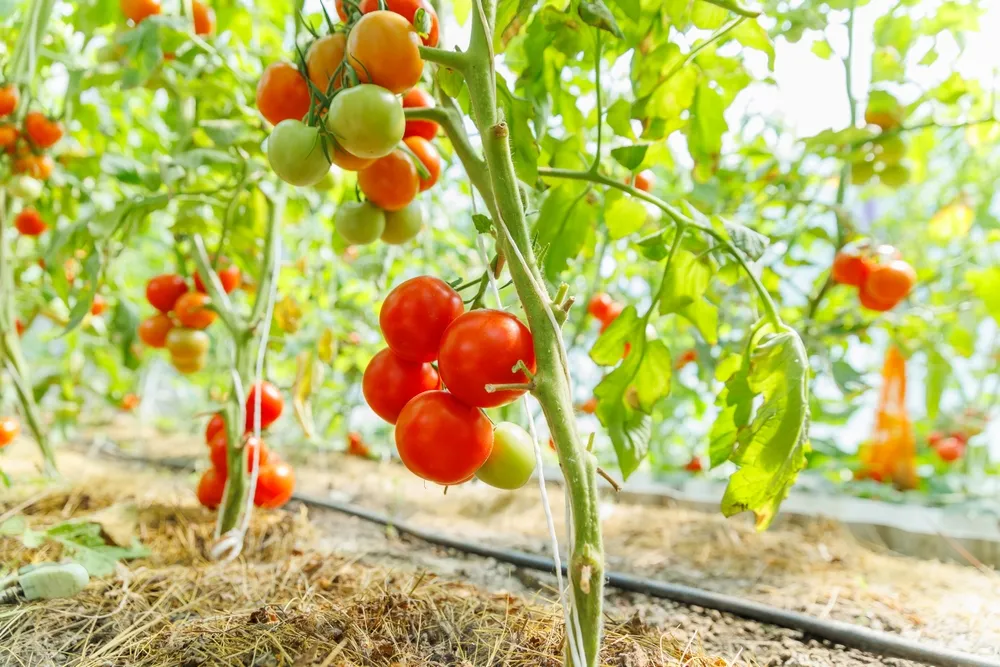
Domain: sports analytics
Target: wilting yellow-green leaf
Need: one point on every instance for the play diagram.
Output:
(954, 220)
(288, 314)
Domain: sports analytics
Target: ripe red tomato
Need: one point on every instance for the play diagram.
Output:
(480, 348)
(383, 48)
(890, 282)
(9, 135)
(191, 311)
(415, 315)
(694, 465)
(323, 58)
(137, 10)
(872, 302)
(36, 166)
(408, 10)
(98, 305)
(153, 330)
(9, 428)
(218, 452)
(275, 485)
(342, 11)
(849, 269)
(29, 222)
(163, 291)
(613, 313)
(589, 406)
(41, 131)
(418, 98)
(211, 488)
(216, 425)
(282, 93)
(204, 18)
(687, 357)
(429, 157)
(600, 305)
(934, 438)
(9, 98)
(441, 439)
(950, 449)
(391, 182)
(230, 277)
(271, 405)
(644, 180)
(390, 382)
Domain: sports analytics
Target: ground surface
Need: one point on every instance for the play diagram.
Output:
(815, 568)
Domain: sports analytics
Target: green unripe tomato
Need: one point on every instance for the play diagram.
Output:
(894, 175)
(512, 460)
(359, 223)
(891, 149)
(25, 188)
(862, 172)
(367, 120)
(295, 151)
(404, 224)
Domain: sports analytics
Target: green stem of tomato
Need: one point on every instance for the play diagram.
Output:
(455, 60)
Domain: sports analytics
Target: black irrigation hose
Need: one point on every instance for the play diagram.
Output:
(846, 634)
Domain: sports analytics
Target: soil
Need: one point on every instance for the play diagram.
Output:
(813, 567)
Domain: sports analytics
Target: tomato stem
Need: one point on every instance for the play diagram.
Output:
(455, 60)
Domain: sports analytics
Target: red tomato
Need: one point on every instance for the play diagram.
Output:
(19, 325)
(872, 302)
(850, 269)
(890, 282)
(153, 330)
(383, 48)
(9, 428)
(204, 18)
(9, 98)
(644, 180)
(408, 10)
(163, 291)
(230, 277)
(218, 452)
(687, 357)
(341, 11)
(356, 446)
(9, 135)
(36, 166)
(950, 449)
(934, 438)
(137, 10)
(282, 93)
(600, 306)
(590, 407)
(130, 402)
(694, 465)
(191, 311)
(271, 405)
(441, 439)
(390, 182)
(41, 131)
(275, 484)
(217, 424)
(613, 313)
(416, 313)
(480, 348)
(211, 488)
(418, 98)
(390, 382)
(29, 222)
(98, 306)
(429, 157)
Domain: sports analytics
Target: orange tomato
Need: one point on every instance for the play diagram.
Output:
(694, 465)
(687, 357)
(644, 180)
(282, 93)
(20, 326)
(418, 98)
(42, 131)
(891, 282)
(356, 446)
(9, 428)
(323, 58)
(590, 406)
(408, 10)
(98, 306)
(36, 166)
(383, 48)
(849, 269)
(872, 302)
(191, 312)
(430, 158)
(29, 222)
(390, 182)
(349, 161)
(153, 330)
(8, 137)
(130, 402)
(204, 18)
(137, 10)
(9, 98)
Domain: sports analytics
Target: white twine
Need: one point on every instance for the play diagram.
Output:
(481, 244)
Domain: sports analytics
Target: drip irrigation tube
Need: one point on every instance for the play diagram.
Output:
(851, 636)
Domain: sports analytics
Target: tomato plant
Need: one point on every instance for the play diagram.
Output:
(512, 459)
(252, 447)
(271, 405)
(153, 330)
(191, 310)
(382, 47)
(162, 292)
(391, 182)
(415, 315)
(188, 349)
(408, 10)
(367, 121)
(324, 61)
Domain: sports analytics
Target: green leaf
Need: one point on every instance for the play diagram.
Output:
(632, 8)
(83, 541)
(510, 18)
(822, 48)
(652, 380)
(707, 123)
(707, 16)
(14, 526)
(199, 157)
(610, 345)
(984, 285)
(630, 157)
(734, 402)
(85, 296)
(517, 112)
(683, 292)
(567, 218)
(483, 223)
(847, 378)
(752, 35)
(623, 215)
(749, 242)
(568, 34)
(596, 13)
(619, 118)
(123, 169)
(451, 80)
(770, 448)
(126, 322)
(938, 370)
(462, 9)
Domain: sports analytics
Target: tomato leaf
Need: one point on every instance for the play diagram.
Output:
(769, 443)
(85, 296)
(597, 14)
(751, 243)
(510, 18)
(619, 118)
(483, 223)
(623, 215)
(708, 123)
(752, 35)
(517, 112)
(84, 542)
(451, 81)
(567, 218)
(683, 293)
(610, 345)
(126, 322)
(630, 157)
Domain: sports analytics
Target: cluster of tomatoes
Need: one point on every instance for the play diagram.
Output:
(9, 428)
(201, 14)
(484, 359)
(343, 107)
(949, 448)
(183, 315)
(27, 145)
(275, 478)
(883, 279)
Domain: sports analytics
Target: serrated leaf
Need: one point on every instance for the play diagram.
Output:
(510, 17)
(623, 215)
(630, 157)
(567, 218)
(751, 243)
(610, 345)
(518, 112)
(483, 223)
(83, 542)
(684, 290)
(769, 448)
(734, 402)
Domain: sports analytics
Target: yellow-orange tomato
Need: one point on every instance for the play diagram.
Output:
(349, 161)
(282, 93)
(98, 306)
(9, 428)
(36, 166)
(390, 182)
(40, 130)
(8, 99)
(850, 269)
(137, 10)
(644, 180)
(383, 48)
(323, 58)
(153, 330)
(204, 18)
(191, 312)
(429, 157)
